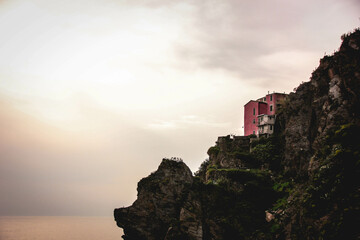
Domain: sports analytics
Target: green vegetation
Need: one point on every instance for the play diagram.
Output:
(201, 173)
(213, 150)
(268, 151)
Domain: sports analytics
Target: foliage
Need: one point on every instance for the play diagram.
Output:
(202, 169)
(280, 187)
(268, 151)
(214, 150)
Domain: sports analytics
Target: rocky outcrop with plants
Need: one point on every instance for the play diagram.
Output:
(303, 182)
(320, 127)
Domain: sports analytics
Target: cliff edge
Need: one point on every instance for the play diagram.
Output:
(303, 182)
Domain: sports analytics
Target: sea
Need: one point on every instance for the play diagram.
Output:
(59, 228)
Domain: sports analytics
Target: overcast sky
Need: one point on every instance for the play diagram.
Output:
(93, 94)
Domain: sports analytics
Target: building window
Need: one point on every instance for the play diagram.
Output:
(254, 111)
(253, 132)
(271, 108)
(253, 120)
(264, 99)
(270, 127)
(270, 97)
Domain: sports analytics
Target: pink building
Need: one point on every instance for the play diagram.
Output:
(259, 115)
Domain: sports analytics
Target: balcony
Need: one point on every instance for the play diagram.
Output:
(266, 129)
(266, 120)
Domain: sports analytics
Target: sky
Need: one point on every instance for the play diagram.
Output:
(93, 94)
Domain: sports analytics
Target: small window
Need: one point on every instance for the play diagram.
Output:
(270, 127)
(270, 97)
(271, 108)
(253, 132)
(254, 111)
(253, 120)
(264, 99)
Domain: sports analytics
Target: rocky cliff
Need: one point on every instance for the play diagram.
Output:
(320, 128)
(160, 197)
(301, 183)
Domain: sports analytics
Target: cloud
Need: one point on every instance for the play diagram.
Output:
(236, 35)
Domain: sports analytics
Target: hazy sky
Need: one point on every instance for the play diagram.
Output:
(93, 94)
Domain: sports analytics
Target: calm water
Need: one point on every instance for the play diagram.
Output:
(59, 228)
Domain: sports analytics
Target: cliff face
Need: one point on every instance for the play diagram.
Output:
(320, 127)
(301, 183)
(328, 101)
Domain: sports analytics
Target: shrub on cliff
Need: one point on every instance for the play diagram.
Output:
(268, 151)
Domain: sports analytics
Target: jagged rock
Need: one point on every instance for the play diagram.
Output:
(159, 201)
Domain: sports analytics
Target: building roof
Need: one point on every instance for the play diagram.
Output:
(255, 101)
(259, 99)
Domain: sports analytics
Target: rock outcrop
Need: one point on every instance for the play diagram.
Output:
(172, 204)
(159, 201)
(229, 152)
(301, 183)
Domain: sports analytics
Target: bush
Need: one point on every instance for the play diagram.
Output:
(214, 150)
(202, 169)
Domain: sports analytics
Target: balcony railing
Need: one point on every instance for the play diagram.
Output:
(266, 120)
(265, 130)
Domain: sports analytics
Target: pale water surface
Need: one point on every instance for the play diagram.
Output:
(59, 228)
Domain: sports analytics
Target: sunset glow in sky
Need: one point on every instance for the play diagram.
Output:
(93, 94)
